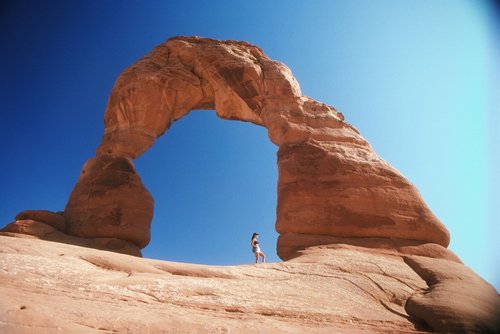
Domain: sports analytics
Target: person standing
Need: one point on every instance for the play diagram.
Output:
(256, 249)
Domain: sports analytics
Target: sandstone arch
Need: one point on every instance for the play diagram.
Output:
(331, 182)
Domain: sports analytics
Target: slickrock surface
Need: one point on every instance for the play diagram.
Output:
(331, 182)
(48, 287)
(457, 299)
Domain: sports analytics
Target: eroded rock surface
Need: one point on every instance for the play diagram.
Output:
(457, 300)
(32, 229)
(50, 288)
(110, 201)
(331, 182)
(54, 219)
(364, 251)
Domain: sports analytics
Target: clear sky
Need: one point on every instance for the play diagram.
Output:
(418, 78)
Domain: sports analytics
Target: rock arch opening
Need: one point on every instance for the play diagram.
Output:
(214, 184)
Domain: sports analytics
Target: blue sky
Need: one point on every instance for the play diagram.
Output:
(417, 78)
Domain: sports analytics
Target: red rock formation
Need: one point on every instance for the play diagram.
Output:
(365, 252)
(331, 182)
(290, 246)
(53, 219)
(110, 201)
(457, 300)
(32, 229)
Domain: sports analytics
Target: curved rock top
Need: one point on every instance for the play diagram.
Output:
(235, 78)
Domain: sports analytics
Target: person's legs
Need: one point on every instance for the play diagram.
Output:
(263, 257)
(256, 257)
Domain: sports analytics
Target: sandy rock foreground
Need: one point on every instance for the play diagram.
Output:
(49, 287)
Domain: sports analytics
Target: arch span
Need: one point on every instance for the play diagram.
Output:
(331, 182)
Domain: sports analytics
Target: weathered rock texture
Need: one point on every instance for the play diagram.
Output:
(331, 182)
(33, 229)
(110, 201)
(456, 300)
(53, 288)
(383, 266)
(53, 219)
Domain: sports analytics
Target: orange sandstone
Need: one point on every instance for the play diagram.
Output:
(331, 182)
(363, 251)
